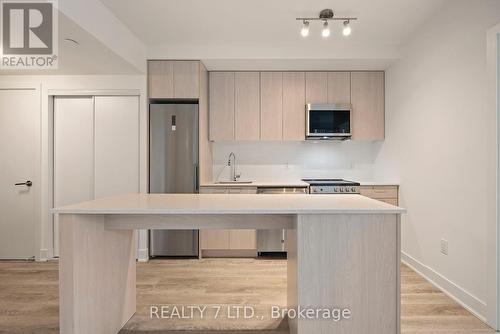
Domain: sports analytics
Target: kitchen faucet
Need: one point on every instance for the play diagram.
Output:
(231, 162)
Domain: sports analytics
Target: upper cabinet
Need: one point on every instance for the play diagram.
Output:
(368, 105)
(174, 79)
(316, 87)
(161, 79)
(247, 105)
(339, 87)
(328, 87)
(294, 101)
(186, 79)
(221, 109)
(271, 105)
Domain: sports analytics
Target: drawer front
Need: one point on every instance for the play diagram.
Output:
(235, 190)
(213, 190)
(247, 190)
(392, 201)
(379, 192)
(228, 190)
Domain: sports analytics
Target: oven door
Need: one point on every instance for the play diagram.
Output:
(328, 121)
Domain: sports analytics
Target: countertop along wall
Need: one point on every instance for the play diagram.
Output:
(440, 144)
(291, 161)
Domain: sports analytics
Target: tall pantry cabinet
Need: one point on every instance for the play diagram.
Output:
(96, 149)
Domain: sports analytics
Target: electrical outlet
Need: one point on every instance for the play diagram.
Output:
(444, 246)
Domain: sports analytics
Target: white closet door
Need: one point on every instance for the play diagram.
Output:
(73, 150)
(116, 145)
(73, 153)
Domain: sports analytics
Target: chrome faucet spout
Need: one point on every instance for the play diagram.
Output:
(231, 162)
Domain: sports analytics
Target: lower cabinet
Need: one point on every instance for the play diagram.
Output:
(387, 194)
(243, 239)
(228, 243)
(214, 239)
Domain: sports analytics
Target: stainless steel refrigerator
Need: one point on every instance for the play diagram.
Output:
(173, 168)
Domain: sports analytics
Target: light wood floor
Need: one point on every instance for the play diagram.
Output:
(29, 298)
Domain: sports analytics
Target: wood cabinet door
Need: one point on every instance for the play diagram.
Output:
(247, 105)
(221, 112)
(186, 79)
(294, 102)
(242, 239)
(271, 105)
(316, 87)
(368, 105)
(214, 239)
(160, 79)
(339, 87)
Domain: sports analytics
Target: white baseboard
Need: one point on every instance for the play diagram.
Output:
(143, 255)
(470, 302)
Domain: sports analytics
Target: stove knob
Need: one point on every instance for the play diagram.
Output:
(353, 189)
(341, 189)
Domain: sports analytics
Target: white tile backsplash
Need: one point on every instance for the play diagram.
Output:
(279, 161)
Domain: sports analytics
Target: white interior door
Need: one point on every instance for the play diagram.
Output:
(73, 153)
(116, 145)
(19, 119)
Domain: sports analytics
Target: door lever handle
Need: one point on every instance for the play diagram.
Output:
(27, 184)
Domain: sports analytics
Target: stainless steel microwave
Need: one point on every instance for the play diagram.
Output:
(328, 121)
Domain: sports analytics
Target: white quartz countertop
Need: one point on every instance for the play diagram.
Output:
(296, 184)
(193, 204)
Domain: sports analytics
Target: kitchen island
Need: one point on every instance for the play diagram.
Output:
(343, 254)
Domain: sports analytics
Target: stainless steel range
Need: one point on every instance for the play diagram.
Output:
(332, 186)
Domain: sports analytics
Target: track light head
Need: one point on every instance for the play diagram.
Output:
(347, 28)
(326, 30)
(305, 29)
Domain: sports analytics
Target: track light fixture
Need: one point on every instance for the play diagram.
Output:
(326, 15)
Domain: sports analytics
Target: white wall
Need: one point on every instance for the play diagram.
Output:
(440, 143)
(280, 161)
(91, 83)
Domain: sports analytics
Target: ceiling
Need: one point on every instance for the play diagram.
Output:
(264, 33)
(90, 56)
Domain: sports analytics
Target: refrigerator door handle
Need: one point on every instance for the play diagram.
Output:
(196, 185)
